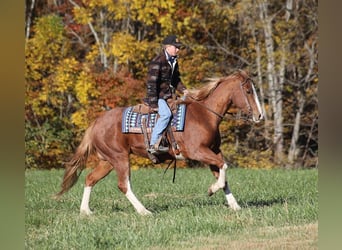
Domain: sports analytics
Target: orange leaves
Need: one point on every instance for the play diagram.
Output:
(94, 55)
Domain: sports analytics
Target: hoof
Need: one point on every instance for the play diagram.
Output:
(235, 207)
(145, 212)
(232, 202)
(86, 212)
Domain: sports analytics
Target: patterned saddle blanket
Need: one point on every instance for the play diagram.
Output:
(132, 121)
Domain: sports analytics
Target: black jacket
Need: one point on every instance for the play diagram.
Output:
(161, 81)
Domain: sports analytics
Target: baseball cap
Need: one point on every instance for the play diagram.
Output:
(172, 40)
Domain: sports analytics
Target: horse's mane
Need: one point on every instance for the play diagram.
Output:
(212, 83)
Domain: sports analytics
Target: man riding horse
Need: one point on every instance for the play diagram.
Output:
(162, 81)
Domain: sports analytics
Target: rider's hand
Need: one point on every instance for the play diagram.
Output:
(185, 93)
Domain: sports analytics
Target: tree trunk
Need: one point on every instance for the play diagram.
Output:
(293, 152)
(275, 88)
(29, 19)
(289, 7)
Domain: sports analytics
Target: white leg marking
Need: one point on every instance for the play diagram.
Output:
(135, 202)
(85, 202)
(220, 183)
(232, 203)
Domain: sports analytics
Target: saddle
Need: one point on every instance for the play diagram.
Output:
(141, 118)
(144, 108)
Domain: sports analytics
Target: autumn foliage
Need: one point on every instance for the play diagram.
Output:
(86, 56)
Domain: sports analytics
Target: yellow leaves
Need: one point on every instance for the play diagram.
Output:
(126, 48)
(256, 160)
(166, 21)
(70, 78)
(149, 12)
(121, 9)
(79, 118)
(65, 75)
(99, 3)
(50, 26)
(46, 48)
(82, 15)
(85, 87)
(93, 53)
(137, 162)
(123, 47)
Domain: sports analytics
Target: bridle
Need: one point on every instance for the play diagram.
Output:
(249, 108)
(221, 116)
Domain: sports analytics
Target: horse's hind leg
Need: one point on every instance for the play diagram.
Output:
(123, 174)
(134, 201)
(102, 170)
(221, 178)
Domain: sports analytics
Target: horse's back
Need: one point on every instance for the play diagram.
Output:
(108, 129)
(109, 123)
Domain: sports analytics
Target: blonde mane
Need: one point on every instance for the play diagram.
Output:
(204, 91)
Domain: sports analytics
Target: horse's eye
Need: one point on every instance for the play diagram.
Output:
(248, 91)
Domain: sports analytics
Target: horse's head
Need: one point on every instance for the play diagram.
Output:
(246, 99)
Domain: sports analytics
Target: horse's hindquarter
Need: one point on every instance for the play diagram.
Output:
(108, 130)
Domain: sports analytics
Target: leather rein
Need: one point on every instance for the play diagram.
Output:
(206, 107)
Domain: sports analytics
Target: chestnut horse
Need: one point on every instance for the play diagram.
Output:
(199, 141)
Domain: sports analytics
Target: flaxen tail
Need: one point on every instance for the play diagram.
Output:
(75, 166)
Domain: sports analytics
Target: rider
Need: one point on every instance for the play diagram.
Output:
(162, 80)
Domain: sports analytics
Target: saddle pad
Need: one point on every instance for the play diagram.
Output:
(131, 121)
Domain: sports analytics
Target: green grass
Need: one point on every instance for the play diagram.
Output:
(279, 210)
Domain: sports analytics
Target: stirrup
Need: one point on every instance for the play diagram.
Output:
(163, 149)
(157, 150)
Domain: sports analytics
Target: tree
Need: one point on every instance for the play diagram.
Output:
(54, 80)
(83, 57)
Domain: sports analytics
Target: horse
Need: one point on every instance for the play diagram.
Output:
(200, 139)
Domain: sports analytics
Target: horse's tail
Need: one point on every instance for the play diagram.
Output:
(75, 166)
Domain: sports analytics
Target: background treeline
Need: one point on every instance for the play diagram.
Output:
(86, 56)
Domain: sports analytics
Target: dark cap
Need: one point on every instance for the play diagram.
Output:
(172, 40)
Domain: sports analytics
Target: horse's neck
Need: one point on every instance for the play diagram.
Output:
(219, 100)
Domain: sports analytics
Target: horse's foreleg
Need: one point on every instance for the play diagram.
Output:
(232, 203)
(220, 179)
(97, 174)
(220, 175)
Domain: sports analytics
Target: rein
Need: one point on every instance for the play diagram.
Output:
(204, 106)
(174, 169)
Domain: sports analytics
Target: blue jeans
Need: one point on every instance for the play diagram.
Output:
(162, 122)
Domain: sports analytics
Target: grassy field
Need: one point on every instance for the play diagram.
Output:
(279, 211)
